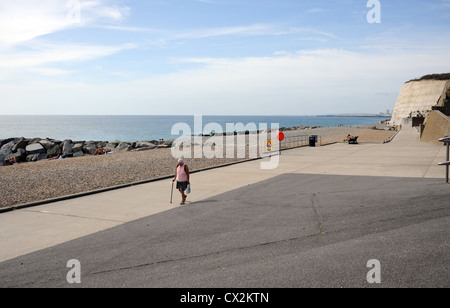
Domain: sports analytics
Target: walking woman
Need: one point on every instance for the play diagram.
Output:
(182, 178)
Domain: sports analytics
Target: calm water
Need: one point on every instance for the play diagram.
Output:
(140, 128)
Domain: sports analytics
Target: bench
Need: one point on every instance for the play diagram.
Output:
(353, 140)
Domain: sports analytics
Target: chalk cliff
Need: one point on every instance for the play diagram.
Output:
(418, 97)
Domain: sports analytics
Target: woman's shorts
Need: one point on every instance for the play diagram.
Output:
(182, 186)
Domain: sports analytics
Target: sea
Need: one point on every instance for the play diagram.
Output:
(147, 128)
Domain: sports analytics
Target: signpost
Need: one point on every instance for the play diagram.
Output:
(446, 141)
(280, 137)
(269, 145)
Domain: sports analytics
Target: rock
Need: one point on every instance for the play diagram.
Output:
(22, 152)
(78, 154)
(144, 144)
(124, 146)
(78, 147)
(22, 144)
(36, 157)
(54, 151)
(8, 146)
(67, 147)
(34, 140)
(47, 144)
(142, 149)
(35, 148)
(111, 146)
(90, 149)
(169, 143)
(5, 141)
(91, 143)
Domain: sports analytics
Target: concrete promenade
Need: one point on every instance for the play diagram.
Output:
(406, 164)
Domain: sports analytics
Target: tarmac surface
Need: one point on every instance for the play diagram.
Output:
(315, 221)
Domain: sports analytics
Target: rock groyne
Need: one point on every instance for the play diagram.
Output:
(20, 150)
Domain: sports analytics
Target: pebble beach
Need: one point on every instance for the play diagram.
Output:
(37, 181)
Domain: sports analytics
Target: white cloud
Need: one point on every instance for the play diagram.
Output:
(256, 29)
(305, 82)
(259, 29)
(315, 10)
(44, 53)
(25, 20)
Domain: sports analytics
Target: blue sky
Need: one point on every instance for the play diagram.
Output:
(230, 57)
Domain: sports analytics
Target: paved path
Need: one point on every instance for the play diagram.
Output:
(400, 170)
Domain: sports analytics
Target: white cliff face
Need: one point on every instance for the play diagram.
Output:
(418, 97)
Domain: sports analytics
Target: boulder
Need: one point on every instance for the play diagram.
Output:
(124, 146)
(34, 140)
(78, 147)
(145, 144)
(8, 146)
(169, 143)
(6, 141)
(37, 157)
(67, 148)
(22, 152)
(47, 144)
(142, 149)
(91, 143)
(22, 144)
(111, 146)
(35, 148)
(54, 151)
(90, 149)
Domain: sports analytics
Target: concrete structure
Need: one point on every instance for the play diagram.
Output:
(437, 126)
(419, 97)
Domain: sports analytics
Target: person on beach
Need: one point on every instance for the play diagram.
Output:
(10, 162)
(100, 151)
(349, 137)
(182, 177)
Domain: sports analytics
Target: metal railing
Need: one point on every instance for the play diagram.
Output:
(295, 142)
(446, 141)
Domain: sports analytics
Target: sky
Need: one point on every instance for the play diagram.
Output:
(216, 57)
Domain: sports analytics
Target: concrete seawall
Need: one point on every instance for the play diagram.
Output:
(437, 126)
